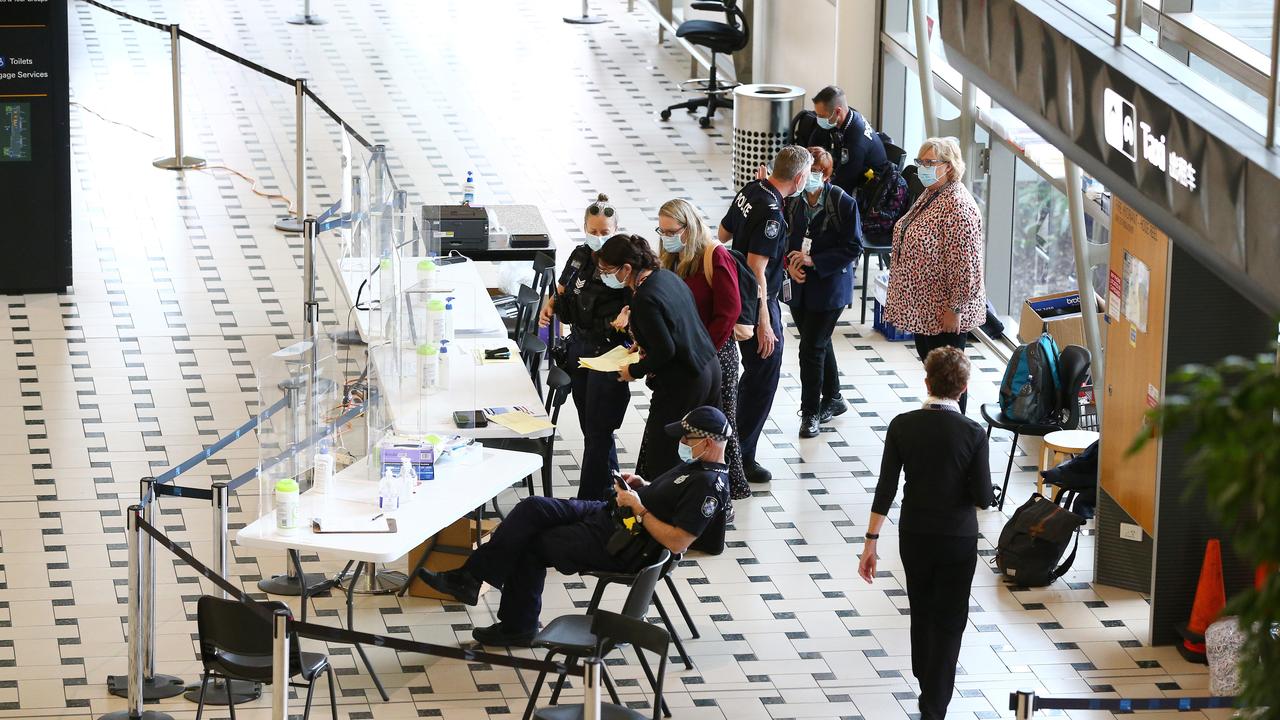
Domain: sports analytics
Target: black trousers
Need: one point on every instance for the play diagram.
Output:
(602, 403)
(676, 391)
(758, 385)
(819, 375)
(939, 570)
(960, 341)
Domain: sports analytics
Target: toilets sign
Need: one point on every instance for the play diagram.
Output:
(1129, 135)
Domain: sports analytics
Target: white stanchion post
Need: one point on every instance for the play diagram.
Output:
(179, 161)
(306, 18)
(591, 689)
(280, 667)
(293, 223)
(1025, 704)
(586, 18)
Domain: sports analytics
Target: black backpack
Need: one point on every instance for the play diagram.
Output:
(1033, 540)
(802, 127)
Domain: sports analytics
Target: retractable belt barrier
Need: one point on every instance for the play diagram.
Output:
(293, 450)
(326, 633)
(1025, 703)
(220, 443)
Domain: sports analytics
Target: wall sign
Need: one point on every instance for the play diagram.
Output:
(1121, 128)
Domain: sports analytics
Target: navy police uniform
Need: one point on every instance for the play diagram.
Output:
(855, 148)
(832, 232)
(571, 535)
(756, 221)
(589, 306)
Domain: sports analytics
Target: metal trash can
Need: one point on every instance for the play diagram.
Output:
(761, 125)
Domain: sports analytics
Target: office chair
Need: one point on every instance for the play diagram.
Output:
(719, 37)
(1073, 371)
(235, 644)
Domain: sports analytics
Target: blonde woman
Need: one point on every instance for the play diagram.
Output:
(690, 251)
(936, 285)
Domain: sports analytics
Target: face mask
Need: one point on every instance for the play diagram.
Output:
(800, 188)
(611, 281)
(826, 124)
(672, 244)
(928, 175)
(815, 182)
(685, 452)
(595, 242)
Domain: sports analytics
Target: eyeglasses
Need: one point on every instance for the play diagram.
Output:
(929, 163)
(671, 234)
(598, 208)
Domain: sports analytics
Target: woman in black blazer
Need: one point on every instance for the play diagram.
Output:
(944, 455)
(676, 354)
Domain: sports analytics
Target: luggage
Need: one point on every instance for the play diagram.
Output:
(1031, 388)
(1033, 540)
(882, 200)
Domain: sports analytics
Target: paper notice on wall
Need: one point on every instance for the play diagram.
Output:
(1114, 300)
(1137, 291)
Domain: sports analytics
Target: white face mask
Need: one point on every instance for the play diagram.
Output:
(595, 242)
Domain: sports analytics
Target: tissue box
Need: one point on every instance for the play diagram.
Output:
(421, 454)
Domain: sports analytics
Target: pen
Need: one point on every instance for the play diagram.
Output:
(375, 517)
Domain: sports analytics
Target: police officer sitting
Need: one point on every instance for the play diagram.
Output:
(576, 536)
(842, 131)
(758, 229)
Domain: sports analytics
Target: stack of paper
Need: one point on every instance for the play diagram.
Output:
(612, 361)
(521, 422)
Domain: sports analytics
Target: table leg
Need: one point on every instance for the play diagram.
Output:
(304, 593)
(422, 562)
(355, 578)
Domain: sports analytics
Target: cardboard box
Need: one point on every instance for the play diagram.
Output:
(460, 535)
(1058, 314)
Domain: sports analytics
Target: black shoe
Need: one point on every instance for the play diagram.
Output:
(832, 407)
(495, 635)
(809, 426)
(757, 473)
(462, 585)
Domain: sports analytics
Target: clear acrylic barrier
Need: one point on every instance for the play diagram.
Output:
(301, 376)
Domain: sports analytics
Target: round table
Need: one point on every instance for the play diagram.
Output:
(1062, 442)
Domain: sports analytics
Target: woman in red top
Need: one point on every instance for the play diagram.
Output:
(685, 241)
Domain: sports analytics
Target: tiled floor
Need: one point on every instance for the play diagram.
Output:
(181, 283)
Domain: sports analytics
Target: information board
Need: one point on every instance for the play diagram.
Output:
(35, 147)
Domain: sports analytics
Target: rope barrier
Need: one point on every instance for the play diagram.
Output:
(183, 492)
(236, 58)
(293, 450)
(200, 567)
(220, 443)
(127, 16)
(337, 118)
(1131, 705)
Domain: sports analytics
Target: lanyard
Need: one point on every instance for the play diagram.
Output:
(914, 214)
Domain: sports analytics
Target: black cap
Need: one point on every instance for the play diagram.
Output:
(705, 421)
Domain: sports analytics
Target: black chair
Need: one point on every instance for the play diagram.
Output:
(235, 644)
(557, 392)
(895, 154)
(613, 629)
(1073, 372)
(528, 304)
(725, 37)
(604, 579)
(572, 636)
(881, 246)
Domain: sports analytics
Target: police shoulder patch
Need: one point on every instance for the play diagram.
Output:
(709, 506)
(771, 229)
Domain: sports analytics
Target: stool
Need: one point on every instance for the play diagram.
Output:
(1062, 442)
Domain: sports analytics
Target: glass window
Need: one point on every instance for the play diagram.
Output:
(1043, 258)
(1246, 20)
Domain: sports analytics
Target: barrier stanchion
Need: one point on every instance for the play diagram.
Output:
(280, 667)
(307, 17)
(241, 691)
(137, 650)
(591, 689)
(293, 223)
(154, 687)
(179, 161)
(586, 18)
(1024, 704)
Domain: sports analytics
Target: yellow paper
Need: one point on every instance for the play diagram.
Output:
(612, 361)
(522, 423)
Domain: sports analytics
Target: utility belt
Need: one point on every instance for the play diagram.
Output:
(630, 544)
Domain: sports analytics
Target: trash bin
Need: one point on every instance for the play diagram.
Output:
(761, 125)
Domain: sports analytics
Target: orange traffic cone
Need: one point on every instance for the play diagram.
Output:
(1211, 597)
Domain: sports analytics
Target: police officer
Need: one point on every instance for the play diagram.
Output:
(589, 306)
(852, 141)
(757, 229)
(572, 535)
(826, 240)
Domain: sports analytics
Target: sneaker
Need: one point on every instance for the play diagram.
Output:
(460, 584)
(757, 473)
(809, 426)
(496, 635)
(832, 407)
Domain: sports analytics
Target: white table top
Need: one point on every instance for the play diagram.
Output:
(472, 386)
(1070, 441)
(456, 490)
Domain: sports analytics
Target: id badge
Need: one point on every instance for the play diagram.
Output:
(806, 245)
(786, 289)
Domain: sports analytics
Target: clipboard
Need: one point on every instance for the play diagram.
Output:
(352, 526)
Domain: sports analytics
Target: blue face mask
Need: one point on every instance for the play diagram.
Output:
(611, 281)
(595, 242)
(685, 452)
(825, 124)
(928, 176)
(672, 244)
(814, 182)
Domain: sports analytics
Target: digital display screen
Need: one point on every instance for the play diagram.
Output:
(15, 132)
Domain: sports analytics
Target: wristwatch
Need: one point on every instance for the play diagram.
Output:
(640, 515)
(872, 536)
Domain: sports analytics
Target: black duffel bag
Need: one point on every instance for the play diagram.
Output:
(1033, 540)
